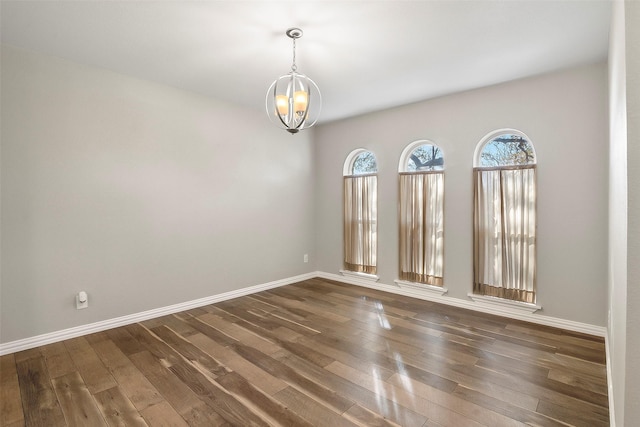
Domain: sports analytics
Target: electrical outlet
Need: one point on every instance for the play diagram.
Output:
(306, 257)
(82, 300)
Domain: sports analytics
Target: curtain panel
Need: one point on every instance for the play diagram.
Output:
(421, 215)
(360, 223)
(504, 227)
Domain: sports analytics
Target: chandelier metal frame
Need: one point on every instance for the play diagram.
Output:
(293, 100)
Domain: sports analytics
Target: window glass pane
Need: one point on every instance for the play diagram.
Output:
(365, 163)
(507, 150)
(426, 157)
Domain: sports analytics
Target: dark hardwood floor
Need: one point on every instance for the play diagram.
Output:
(315, 353)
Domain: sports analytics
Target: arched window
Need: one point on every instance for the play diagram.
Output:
(421, 178)
(506, 147)
(360, 212)
(360, 162)
(504, 217)
(421, 156)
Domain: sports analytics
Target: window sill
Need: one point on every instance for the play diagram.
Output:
(428, 289)
(504, 305)
(360, 276)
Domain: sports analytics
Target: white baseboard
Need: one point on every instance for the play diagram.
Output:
(612, 414)
(39, 340)
(48, 338)
(498, 310)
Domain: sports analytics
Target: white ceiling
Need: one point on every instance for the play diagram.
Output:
(364, 55)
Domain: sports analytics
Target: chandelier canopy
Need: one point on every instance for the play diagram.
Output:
(294, 100)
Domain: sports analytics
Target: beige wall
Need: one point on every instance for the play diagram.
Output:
(142, 195)
(147, 196)
(564, 114)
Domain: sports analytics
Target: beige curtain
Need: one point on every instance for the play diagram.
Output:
(505, 233)
(422, 227)
(360, 223)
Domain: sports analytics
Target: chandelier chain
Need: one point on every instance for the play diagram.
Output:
(294, 67)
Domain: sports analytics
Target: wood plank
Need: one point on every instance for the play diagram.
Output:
(95, 374)
(135, 386)
(238, 333)
(203, 415)
(295, 378)
(549, 360)
(542, 385)
(190, 351)
(300, 308)
(374, 401)
(39, 402)
(507, 409)
(268, 321)
(31, 353)
(566, 337)
(598, 417)
(534, 386)
(278, 340)
(10, 398)
(117, 409)
(387, 362)
(76, 402)
(208, 330)
(431, 423)
(439, 365)
(264, 381)
(576, 379)
(453, 402)
(125, 341)
(173, 322)
(348, 359)
(405, 388)
(178, 394)
(179, 378)
(414, 402)
(367, 418)
(311, 409)
(254, 398)
(227, 406)
(97, 337)
(163, 415)
(58, 360)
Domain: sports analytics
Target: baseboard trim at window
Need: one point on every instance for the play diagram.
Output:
(537, 318)
(504, 304)
(365, 277)
(422, 287)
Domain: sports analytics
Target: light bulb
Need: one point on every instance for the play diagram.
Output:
(300, 102)
(282, 104)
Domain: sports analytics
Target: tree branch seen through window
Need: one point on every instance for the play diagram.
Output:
(507, 150)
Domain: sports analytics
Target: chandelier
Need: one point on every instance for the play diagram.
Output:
(293, 100)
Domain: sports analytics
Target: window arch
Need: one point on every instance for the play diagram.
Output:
(504, 147)
(419, 156)
(360, 162)
(504, 217)
(421, 213)
(360, 203)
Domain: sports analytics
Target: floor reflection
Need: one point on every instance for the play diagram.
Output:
(387, 394)
(378, 308)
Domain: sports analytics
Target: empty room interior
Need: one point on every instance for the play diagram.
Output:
(358, 213)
